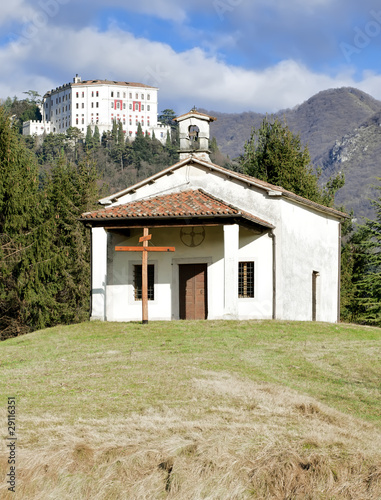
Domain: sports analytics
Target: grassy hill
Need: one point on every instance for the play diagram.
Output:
(195, 410)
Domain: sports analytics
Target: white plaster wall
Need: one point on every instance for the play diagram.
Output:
(99, 273)
(257, 248)
(308, 242)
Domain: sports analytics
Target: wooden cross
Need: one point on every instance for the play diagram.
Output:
(144, 249)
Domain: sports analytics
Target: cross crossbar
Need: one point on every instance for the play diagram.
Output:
(145, 249)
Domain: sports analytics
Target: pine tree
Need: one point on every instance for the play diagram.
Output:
(114, 132)
(367, 272)
(274, 154)
(72, 190)
(26, 259)
(96, 136)
(120, 134)
(89, 138)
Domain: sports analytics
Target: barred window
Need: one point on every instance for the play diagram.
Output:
(246, 279)
(138, 282)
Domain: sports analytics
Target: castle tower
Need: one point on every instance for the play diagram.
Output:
(194, 134)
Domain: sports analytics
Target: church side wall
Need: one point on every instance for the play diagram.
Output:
(309, 244)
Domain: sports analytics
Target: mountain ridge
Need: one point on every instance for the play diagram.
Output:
(340, 127)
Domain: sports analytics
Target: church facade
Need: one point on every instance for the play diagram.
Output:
(243, 248)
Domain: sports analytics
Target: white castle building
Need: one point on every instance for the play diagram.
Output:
(99, 102)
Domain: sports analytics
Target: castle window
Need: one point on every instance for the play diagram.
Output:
(148, 107)
(112, 94)
(148, 96)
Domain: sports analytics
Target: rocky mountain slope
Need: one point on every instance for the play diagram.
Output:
(341, 128)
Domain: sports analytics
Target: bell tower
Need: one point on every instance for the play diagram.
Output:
(194, 135)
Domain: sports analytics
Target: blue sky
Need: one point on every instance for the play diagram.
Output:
(221, 55)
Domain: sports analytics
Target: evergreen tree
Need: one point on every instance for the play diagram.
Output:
(167, 117)
(120, 134)
(96, 136)
(89, 138)
(114, 132)
(72, 190)
(274, 154)
(26, 257)
(140, 149)
(44, 249)
(367, 268)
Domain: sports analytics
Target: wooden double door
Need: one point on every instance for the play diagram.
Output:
(193, 291)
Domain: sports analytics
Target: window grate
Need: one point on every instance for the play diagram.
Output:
(246, 279)
(138, 282)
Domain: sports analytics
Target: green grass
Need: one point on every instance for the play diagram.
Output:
(102, 366)
(170, 388)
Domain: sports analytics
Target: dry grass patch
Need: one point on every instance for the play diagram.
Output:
(176, 411)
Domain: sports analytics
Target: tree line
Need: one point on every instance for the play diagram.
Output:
(44, 249)
(46, 183)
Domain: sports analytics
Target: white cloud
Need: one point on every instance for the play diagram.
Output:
(185, 79)
(15, 10)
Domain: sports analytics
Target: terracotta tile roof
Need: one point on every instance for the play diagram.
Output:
(192, 203)
(111, 82)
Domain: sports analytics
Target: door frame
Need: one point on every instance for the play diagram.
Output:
(176, 280)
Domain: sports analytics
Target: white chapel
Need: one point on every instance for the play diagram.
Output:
(243, 248)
